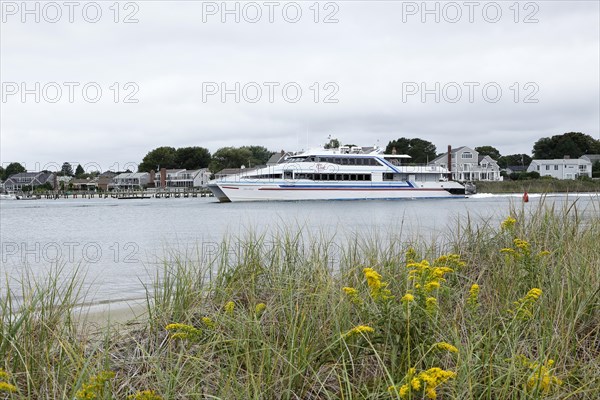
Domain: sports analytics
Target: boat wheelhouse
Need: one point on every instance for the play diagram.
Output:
(344, 173)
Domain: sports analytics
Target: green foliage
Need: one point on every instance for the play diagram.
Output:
(171, 158)
(524, 175)
(488, 151)
(192, 157)
(514, 159)
(79, 171)
(421, 151)
(66, 170)
(573, 144)
(235, 157)
(161, 157)
(596, 169)
(13, 168)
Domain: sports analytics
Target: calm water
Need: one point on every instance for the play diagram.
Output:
(120, 243)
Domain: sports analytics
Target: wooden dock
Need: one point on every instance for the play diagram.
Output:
(122, 194)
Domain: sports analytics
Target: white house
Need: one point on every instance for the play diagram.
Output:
(562, 168)
(130, 180)
(468, 165)
(183, 178)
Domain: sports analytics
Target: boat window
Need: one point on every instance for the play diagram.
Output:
(288, 174)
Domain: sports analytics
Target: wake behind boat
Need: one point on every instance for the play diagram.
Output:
(344, 173)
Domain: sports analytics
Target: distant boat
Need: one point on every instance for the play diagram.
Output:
(344, 173)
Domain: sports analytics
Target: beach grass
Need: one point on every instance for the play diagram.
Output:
(492, 311)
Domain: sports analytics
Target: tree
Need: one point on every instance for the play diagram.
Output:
(230, 157)
(488, 151)
(66, 169)
(421, 151)
(192, 157)
(13, 168)
(596, 169)
(514, 159)
(332, 143)
(2, 173)
(260, 155)
(79, 172)
(573, 144)
(161, 157)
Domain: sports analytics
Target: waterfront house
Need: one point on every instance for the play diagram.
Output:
(468, 165)
(180, 179)
(85, 184)
(105, 179)
(562, 168)
(129, 181)
(516, 169)
(30, 179)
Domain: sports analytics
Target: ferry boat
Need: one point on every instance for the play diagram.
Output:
(343, 173)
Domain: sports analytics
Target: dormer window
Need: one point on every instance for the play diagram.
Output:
(467, 155)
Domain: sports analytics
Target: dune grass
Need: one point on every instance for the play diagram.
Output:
(493, 312)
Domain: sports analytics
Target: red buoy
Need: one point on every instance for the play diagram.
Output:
(525, 198)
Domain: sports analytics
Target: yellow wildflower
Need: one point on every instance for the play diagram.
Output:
(416, 384)
(508, 223)
(473, 300)
(259, 309)
(542, 379)
(446, 346)
(373, 278)
(432, 285)
(4, 375)
(523, 306)
(378, 288)
(208, 322)
(403, 391)
(544, 253)
(407, 298)
(411, 254)
(431, 305)
(521, 244)
(229, 307)
(357, 330)
(507, 250)
(144, 395)
(183, 331)
(7, 387)
(430, 393)
(352, 295)
(94, 388)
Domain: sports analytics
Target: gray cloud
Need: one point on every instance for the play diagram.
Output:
(368, 57)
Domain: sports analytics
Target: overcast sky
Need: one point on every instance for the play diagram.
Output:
(484, 73)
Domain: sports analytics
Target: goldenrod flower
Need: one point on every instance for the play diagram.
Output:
(415, 383)
(208, 322)
(446, 346)
(407, 298)
(378, 288)
(352, 295)
(360, 329)
(259, 309)
(431, 305)
(521, 244)
(544, 253)
(508, 223)
(7, 387)
(4, 375)
(473, 300)
(183, 331)
(94, 388)
(403, 391)
(144, 395)
(432, 285)
(229, 306)
(524, 305)
(541, 378)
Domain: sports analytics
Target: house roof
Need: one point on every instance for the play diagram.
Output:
(132, 175)
(592, 157)
(517, 168)
(445, 155)
(564, 161)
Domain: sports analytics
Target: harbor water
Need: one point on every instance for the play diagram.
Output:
(118, 245)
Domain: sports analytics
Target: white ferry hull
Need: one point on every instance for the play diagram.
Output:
(226, 192)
